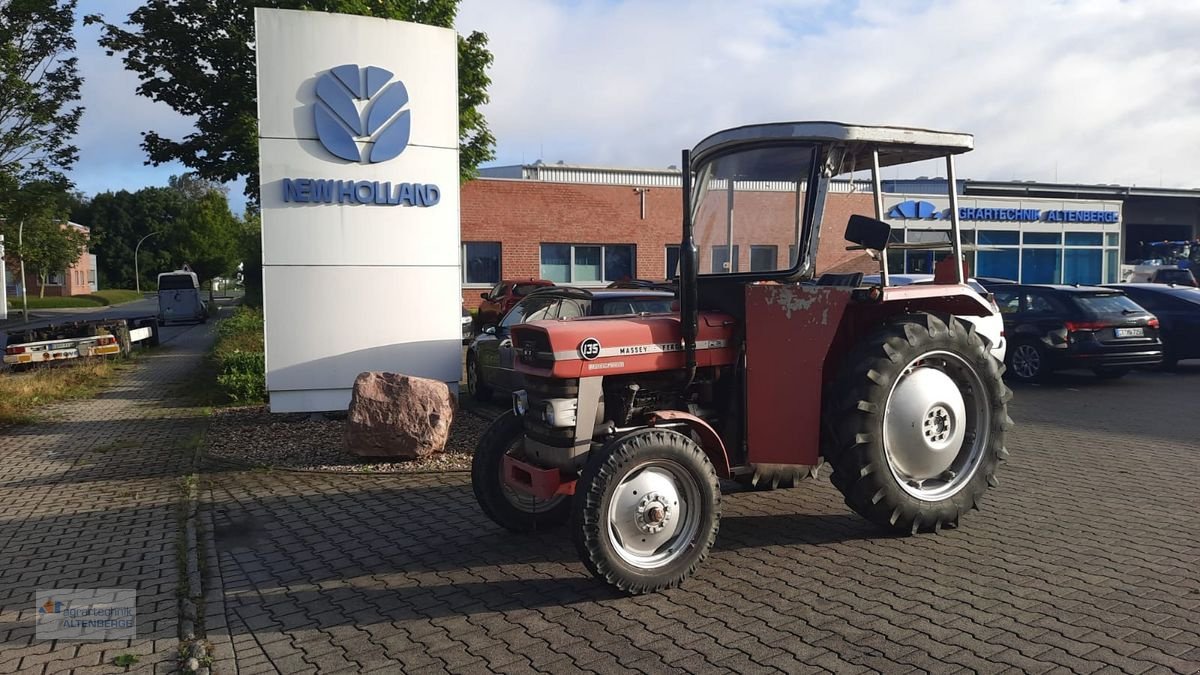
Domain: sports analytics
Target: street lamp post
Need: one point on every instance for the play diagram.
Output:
(137, 277)
(21, 257)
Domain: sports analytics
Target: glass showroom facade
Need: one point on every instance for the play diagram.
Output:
(1027, 240)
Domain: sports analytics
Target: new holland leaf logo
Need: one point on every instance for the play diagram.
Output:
(383, 121)
(914, 210)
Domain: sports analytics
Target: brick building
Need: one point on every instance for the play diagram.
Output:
(590, 226)
(78, 279)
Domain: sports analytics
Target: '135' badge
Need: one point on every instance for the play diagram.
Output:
(589, 349)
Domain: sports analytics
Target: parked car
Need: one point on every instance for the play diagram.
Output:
(1052, 327)
(1178, 311)
(503, 296)
(990, 327)
(1174, 275)
(490, 356)
(468, 325)
(993, 281)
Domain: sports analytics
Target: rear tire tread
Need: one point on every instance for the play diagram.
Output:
(860, 468)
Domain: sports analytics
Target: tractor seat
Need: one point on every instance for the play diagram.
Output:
(852, 280)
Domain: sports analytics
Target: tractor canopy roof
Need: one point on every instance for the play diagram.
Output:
(896, 145)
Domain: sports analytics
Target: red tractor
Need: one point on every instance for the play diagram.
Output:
(625, 425)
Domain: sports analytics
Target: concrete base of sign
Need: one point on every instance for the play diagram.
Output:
(320, 399)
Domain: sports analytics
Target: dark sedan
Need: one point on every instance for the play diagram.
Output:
(490, 356)
(1178, 312)
(1061, 327)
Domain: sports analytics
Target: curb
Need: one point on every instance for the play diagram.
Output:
(195, 652)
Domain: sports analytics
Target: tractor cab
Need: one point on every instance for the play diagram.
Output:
(625, 426)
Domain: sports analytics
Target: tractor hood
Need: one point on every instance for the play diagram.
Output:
(587, 347)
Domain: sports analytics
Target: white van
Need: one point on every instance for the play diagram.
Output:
(179, 298)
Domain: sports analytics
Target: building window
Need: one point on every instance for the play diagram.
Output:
(481, 262)
(1085, 238)
(1082, 265)
(1112, 238)
(764, 258)
(1113, 274)
(1041, 266)
(588, 263)
(720, 259)
(999, 238)
(1002, 264)
(1053, 238)
(672, 262)
(54, 279)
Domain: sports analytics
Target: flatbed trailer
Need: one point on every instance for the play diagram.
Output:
(59, 342)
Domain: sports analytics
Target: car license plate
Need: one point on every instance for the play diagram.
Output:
(1129, 332)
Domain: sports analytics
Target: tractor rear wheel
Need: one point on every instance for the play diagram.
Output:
(510, 508)
(646, 510)
(916, 424)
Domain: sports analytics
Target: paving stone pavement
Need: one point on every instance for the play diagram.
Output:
(88, 500)
(1084, 560)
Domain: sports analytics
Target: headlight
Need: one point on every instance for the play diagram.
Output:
(520, 402)
(466, 320)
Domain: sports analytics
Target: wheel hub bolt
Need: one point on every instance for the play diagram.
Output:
(653, 513)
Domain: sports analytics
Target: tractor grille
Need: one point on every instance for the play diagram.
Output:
(533, 348)
(539, 389)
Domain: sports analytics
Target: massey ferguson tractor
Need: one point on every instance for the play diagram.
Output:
(626, 425)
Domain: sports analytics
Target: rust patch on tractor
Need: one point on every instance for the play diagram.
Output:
(799, 300)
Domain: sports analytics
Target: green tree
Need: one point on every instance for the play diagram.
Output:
(36, 230)
(38, 81)
(118, 220)
(205, 237)
(188, 222)
(197, 56)
(250, 248)
(39, 234)
(50, 247)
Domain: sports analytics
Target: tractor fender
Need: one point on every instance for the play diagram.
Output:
(948, 299)
(710, 440)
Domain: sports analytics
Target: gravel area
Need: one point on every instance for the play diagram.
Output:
(254, 436)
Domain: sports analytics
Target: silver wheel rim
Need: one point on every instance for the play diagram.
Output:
(472, 377)
(523, 501)
(1027, 361)
(654, 514)
(936, 425)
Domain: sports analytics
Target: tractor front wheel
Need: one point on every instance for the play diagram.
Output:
(916, 424)
(509, 508)
(646, 510)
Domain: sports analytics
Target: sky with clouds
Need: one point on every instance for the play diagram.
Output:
(1092, 91)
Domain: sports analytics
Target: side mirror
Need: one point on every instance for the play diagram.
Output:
(868, 232)
(484, 296)
(489, 330)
